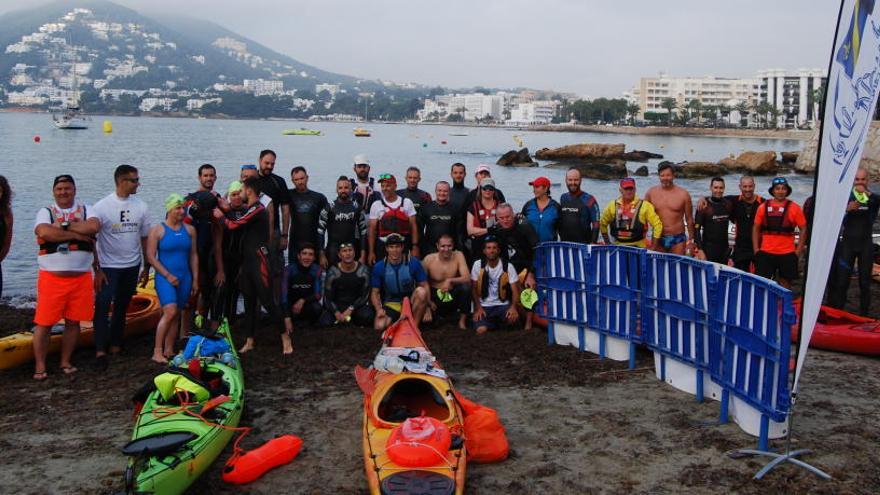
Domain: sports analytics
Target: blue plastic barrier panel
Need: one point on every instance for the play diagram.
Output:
(614, 283)
(753, 318)
(561, 277)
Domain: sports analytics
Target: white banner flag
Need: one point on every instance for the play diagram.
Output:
(853, 81)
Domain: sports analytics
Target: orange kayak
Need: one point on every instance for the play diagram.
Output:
(142, 316)
(837, 330)
(399, 390)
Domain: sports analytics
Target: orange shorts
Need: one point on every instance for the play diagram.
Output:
(71, 298)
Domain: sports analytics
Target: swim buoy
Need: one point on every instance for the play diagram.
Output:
(36, 139)
(443, 142)
(418, 442)
(253, 464)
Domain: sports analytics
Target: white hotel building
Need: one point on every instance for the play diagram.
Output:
(793, 94)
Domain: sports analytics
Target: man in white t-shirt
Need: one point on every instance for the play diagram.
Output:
(123, 224)
(495, 289)
(392, 214)
(64, 282)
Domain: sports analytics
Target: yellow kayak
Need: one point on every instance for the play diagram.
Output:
(142, 316)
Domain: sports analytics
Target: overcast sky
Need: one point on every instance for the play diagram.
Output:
(588, 47)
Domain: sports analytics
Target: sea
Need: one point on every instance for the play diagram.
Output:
(168, 152)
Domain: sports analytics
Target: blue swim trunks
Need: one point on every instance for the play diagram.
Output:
(667, 241)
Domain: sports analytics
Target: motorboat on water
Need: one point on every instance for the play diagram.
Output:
(70, 118)
(302, 131)
(360, 132)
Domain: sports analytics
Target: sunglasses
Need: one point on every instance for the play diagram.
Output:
(346, 245)
(488, 188)
(779, 180)
(387, 177)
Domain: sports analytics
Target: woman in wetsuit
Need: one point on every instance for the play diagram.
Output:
(172, 253)
(255, 277)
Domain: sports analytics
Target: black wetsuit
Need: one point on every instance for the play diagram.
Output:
(342, 222)
(710, 234)
(232, 249)
(458, 195)
(275, 187)
(302, 283)
(578, 218)
(855, 244)
(517, 245)
(742, 214)
(203, 222)
(418, 197)
(437, 220)
(255, 279)
(344, 289)
(3, 228)
(305, 208)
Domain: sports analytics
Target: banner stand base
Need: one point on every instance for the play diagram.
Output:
(778, 459)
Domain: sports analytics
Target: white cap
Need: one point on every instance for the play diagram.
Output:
(361, 159)
(483, 168)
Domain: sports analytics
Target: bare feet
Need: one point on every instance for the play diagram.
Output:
(482, 330)
(158, 357)
(40, 375)
(462, 322)
(69, 370)
(247, 347)
(115, 349)
(286, 344)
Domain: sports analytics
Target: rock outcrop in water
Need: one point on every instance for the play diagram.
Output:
(514, 158)
(614, 169)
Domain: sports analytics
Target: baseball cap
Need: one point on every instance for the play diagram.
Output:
(387, 178)
(487, 183)
(361, 159)
(483, 168)
(394, 238)
(627, 182)
(540, 181)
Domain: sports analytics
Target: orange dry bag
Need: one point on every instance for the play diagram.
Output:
(253, 464)
(484, 435)
(418, 442)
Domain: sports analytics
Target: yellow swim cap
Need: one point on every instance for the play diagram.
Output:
(233, 187)
(173, 201)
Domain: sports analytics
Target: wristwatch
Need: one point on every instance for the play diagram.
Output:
(65, 224)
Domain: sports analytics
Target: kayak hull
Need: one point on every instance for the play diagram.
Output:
(142, 317)
(838, 330)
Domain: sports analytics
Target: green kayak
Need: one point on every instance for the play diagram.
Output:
(300, 132)
(171, 448)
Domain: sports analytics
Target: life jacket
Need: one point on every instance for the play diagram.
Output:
(394, 220)
(400, 281)
(57, 216)
(626, 229)
(503, 281)
(776, 220)
(481, 214)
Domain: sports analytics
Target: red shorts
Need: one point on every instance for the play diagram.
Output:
(71, 298)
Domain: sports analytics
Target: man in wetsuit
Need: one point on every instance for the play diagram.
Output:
(710, 226)
(673, 205)
(742, 210)
(391, 214)
(342, 222)
(301, 288)
(627, 218)
(397, 276)
(458, 195)
(579, 212)
(412, 192)
(436, 219)
(275, 188)
(773, 235)
(362, 189)
(856, 244)
(347, 291)
(517, 240)
(305, 209)
(209, 244)
(255, 278)
(450, 280)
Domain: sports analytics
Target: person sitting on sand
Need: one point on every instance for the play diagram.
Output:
(673, 205)
(171, 250)
(395, 277)
(347, 291)
(495, 289)
(517, 240)
(64, 281)
(301, 288)
(628, 218)
(449, 280)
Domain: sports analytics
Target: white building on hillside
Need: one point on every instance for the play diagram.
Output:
(263, 87)
(330, 88)
(157, 104)
(538, 112)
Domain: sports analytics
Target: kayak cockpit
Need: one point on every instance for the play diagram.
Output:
(413, 397)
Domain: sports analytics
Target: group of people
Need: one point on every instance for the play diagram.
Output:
(462, 253)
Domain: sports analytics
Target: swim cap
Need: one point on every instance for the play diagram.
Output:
(528, 298)
(233, 187)
(173, 201)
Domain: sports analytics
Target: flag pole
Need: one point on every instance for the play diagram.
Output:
(789, 455)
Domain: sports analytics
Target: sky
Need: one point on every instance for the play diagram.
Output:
(591, 48)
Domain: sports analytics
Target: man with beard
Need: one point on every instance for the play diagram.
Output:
(391, 214)
(496, 289)
(305, 209)
(301, 288)
(342, 222)
(436, 219)
(673, 205)
(579, 215)
(458, 195)
(395, 277)
(449, 280)
(347, 291)
(742, 209)
(275, 188)
(710, 226)
(412, 192)
(209, 245)
(362, 184)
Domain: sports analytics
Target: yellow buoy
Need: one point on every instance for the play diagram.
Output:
(108, 127)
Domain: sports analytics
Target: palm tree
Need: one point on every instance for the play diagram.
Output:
(742, 108)
(633, 109)
(774, 115)
(724, 110)
(760, 110)
(711, 112)
(697, 107)
(669, 104)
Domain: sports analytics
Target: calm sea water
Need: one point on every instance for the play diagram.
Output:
(169, 151)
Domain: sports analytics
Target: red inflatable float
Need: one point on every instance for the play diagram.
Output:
(419, 442)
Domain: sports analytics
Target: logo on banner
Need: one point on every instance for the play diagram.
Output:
(853, 95)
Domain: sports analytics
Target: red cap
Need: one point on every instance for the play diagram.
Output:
(540, 181)
(628, 182)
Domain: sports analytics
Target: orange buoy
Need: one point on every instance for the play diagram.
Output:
(418, 442)
(36, 139)
(255, 463)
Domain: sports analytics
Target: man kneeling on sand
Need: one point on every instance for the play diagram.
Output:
(394, 278)
(495, 289)
(450, 282)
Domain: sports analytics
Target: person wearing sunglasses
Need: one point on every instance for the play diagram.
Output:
(123, 223)
(628, 218)
(773, 235)
(392, 214)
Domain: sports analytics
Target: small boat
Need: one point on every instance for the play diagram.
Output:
(360, 132)
(142, 316)
(406, 383)
(176, 439)
(301, 132)
(837, 330)
(458, 134)
(70, 118)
